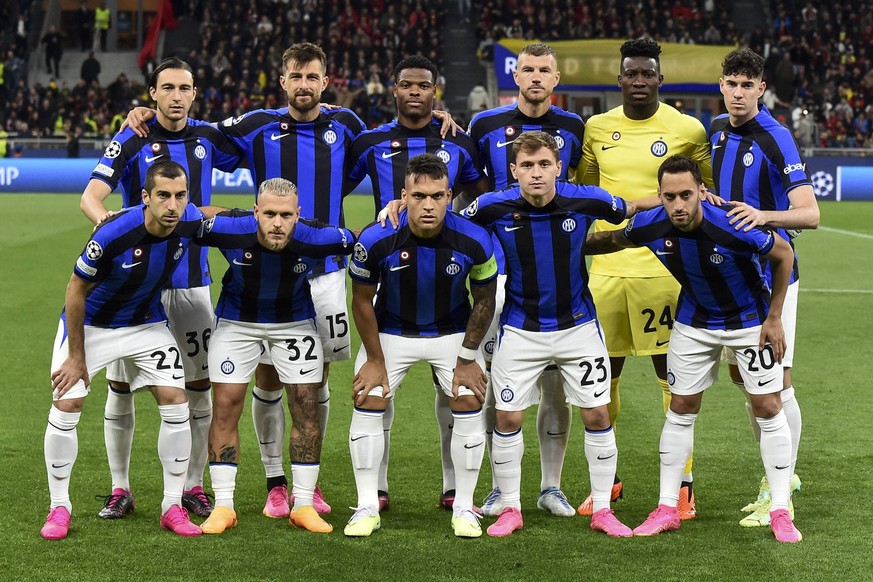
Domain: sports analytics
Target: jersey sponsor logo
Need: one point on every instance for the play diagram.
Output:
(748, 159)
(507, 394)
(150, 159)
(127, 265)
(793, 168)
(659, 149)
(300, 267)
(275, 136)
(200, 152)
(113, 150)
(444, 155)
(452, 269)
(398, 267)
(93, 250)
(360, 272)
(716, 259)
(360, 253)
(329, 136)
(85, 267)
(569, 225)
(227, 367)
(560, 141)
(606, 147)
(104, 170)
(512, 228)
(386, 155)
(503, 144)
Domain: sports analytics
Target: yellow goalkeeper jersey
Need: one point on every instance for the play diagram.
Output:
(623, 155)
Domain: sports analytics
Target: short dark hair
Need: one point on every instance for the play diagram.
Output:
(303, 53)
(429, 165)
(415, 62)
(680, 164)
(170, 63)
(538, 49)
(641, 47)
(165, 169)
(743, 61)
(531, 141)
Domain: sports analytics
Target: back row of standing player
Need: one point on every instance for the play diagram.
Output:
(282, 142)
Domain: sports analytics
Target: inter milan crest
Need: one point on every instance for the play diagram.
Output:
(93, 251)
(200, 152)
(179, 252)
(659, 149)
(113, 150)
(453, 269)
(300, 267)
(671, 378)
(507, 394)
(560, 141)
(444, 155)
(569, 225)
(227, 367)
(329, 136)
(360, 253)
(716, 258)
(748, 159)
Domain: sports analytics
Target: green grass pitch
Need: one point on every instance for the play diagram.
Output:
(39, 241)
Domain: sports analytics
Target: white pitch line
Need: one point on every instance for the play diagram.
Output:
(845, 232)
(855, 291)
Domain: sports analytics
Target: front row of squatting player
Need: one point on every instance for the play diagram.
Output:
(113, 311)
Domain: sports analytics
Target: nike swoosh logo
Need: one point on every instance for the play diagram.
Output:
(662, 253)
(511, 228)
(502, 462)
(555, 433)
(57, 466)
(503, 144)
(337, 350)
(599, 394)
(276, 136)
(130, 266)
(200, 417)
(353, 439)
(178, 460)
(604, 148)
(304, 372)
(599, 458)
(474, 446)
(235, 262)
(659, 344)
(715, 147)
(150, 159)
(204, 367)
(778, 468)
(175, 377)
(266, 442)
(400, 267)
(765, 383)
(386, 155)
(663, 452)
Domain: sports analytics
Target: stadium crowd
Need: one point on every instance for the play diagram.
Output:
(818, 57)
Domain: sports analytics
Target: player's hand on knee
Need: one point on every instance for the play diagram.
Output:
(471, 376)
(372, 375)
(70, 372)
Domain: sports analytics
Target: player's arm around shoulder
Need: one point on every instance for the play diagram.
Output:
(322, 240)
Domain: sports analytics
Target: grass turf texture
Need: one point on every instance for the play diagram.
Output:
(39, 242)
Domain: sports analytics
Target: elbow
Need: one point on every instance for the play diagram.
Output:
(815, 219)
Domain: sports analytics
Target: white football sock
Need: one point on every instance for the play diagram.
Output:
(776, 454)
(677, 441)
(602, 455)
(553, 428)
(268, 417)
(304, 476)
(508, 450)
(174, 451)
(200, 409)
(468, 449)
(366, 444)
(795, 422)
(387, 421)
(444, 419)
(61, 447)
(119, 422)
(223, 476)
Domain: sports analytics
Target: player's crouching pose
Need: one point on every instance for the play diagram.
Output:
(112, 311)
(422, 313)
(725, 302)
(549, 318)
(265, 299)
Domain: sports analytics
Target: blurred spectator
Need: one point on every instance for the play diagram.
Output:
(90, 72)
(85, 26)
(54, 49)
(102, 24)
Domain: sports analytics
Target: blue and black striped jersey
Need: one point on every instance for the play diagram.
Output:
(263, 286)
(423, 282)
(382, 154)
(495, 130)
(129, 267)
(312, 155)
(757, 163)
(723, 286)
(199, 148)
(547, 279)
